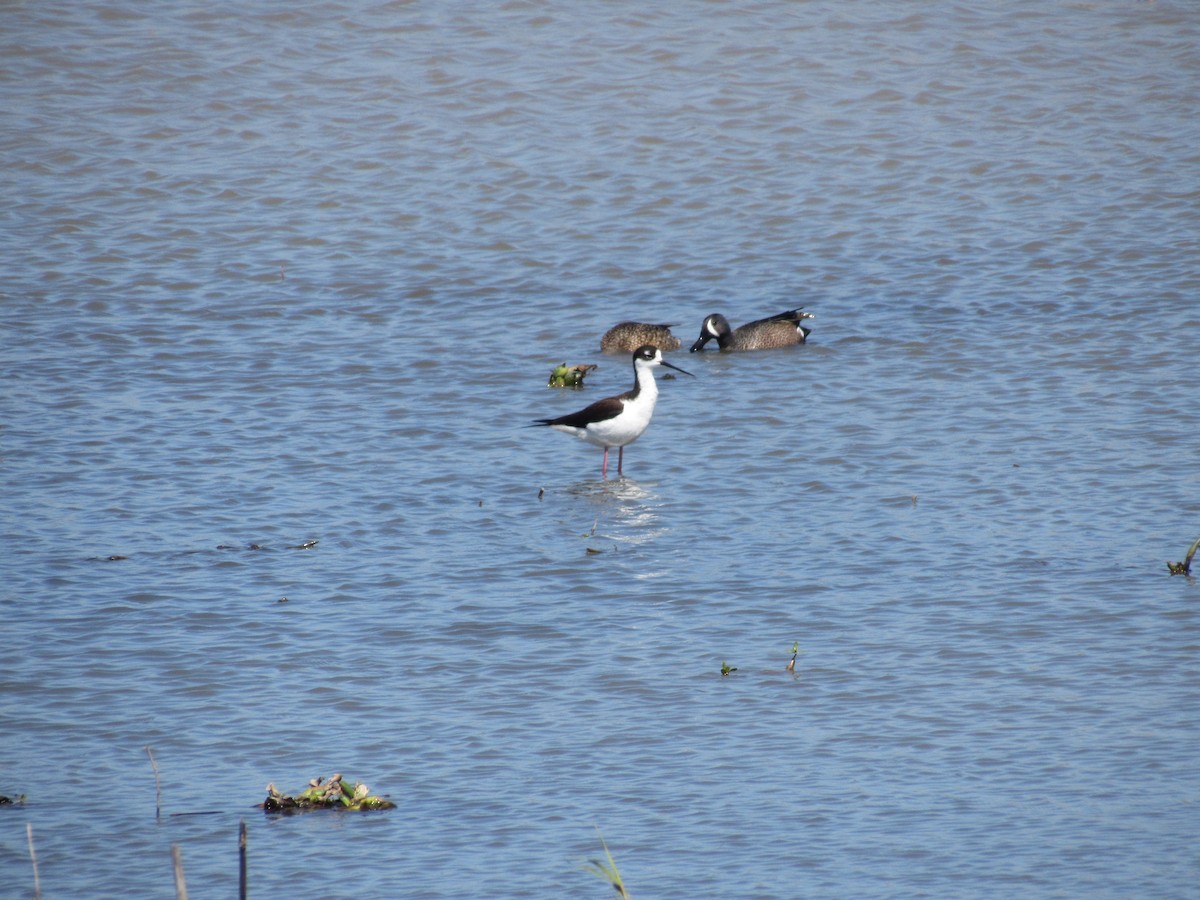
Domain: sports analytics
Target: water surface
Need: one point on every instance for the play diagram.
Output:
(276, 276)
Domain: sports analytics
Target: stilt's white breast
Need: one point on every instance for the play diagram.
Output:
(628, 426)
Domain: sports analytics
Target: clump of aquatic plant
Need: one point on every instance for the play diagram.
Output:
(569, 376)
(606, 870)
(333, 793)
(726, 668)
(1185, 567)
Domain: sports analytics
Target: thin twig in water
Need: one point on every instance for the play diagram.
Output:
(180, 883)
(242, 860)
(37, 882)
(157, 786)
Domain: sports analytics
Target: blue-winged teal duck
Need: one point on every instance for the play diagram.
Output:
(628, 336)
(782, 330)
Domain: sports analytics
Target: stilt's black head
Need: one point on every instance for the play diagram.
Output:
(648, 355)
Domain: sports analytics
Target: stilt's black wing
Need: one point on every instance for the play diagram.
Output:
(599, 411)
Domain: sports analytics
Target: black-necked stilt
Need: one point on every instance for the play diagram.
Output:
(782, 330)
(618, 421)
(628, 336)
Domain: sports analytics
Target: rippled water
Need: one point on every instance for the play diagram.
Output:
(278, 275)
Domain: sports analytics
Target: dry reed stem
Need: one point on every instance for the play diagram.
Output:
(37, 882)
(180, 881)
(157, 785)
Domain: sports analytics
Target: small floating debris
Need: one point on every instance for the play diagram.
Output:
(322, 794)
(726, 668)
(791, 666)
(18, 800)
(307, 545)
(569, 376)
(1185, 567)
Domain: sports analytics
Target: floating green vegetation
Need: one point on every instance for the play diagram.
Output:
(1185, 567)
(606, 870)
(321, 794)
(569, 376)
(791, 666)
(726, 668)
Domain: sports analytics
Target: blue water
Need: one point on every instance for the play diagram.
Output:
(281, 276)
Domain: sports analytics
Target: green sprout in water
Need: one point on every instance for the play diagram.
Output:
(726, 668)
(607, 870)
(569, 376)
(1185, 567)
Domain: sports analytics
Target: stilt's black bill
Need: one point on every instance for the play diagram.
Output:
(676, 368)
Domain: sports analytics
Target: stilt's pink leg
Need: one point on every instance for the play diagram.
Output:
(604, 465)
